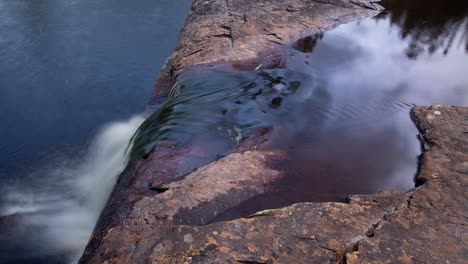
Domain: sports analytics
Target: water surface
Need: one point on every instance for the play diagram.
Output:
(68, 68)
(338, 105)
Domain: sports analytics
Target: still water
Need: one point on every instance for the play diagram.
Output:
(352, 132)
(74, 74)
(339, 107)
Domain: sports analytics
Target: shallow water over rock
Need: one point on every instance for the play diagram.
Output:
(337, 144)
(338, 105)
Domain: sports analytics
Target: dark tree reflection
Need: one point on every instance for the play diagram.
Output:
(307, 44)
(429, 25)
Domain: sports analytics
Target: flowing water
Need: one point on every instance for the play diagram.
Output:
(339, 107)
(60, 203)
(74, 77)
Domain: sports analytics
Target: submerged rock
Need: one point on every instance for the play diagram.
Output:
(166, 207)
(249, 34)
(427, 224)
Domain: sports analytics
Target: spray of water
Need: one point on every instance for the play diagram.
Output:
(61, 204)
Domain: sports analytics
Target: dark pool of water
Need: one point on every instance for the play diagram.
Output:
(339, 106)
(67, 67)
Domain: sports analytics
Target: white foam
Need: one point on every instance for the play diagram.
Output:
(63, 203)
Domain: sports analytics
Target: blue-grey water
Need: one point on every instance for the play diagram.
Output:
(74, 75)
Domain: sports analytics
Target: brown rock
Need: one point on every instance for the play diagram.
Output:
(432, 226)
(152, 218)
(244, 34)
(195, 200)
(427, 224)
(301, 233)
(248, 34)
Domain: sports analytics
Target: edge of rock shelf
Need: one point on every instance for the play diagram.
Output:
(168, 224)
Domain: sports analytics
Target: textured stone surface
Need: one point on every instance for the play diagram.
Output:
(248, 33)
(150, 218)
(245, 34)
(427, 224)
(301, 233)
(432, 226)
(195, 200)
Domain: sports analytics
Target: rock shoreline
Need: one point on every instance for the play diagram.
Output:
(150, 218)
(247, 34)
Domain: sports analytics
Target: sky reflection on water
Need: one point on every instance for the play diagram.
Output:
(354, 133)
(67, 67)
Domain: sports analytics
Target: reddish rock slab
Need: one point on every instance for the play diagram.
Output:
(150, 218)
(432, 227)
(249, 34)
(195, 200)
(426, 225)
(244, 34)
(301, 233)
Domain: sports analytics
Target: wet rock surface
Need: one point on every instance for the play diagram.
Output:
(244, 34)
(164, 209)
(248, 34)
(427, 224)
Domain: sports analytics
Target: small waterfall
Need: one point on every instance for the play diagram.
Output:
(60, 204)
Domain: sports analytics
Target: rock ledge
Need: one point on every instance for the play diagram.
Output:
(150, 219)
